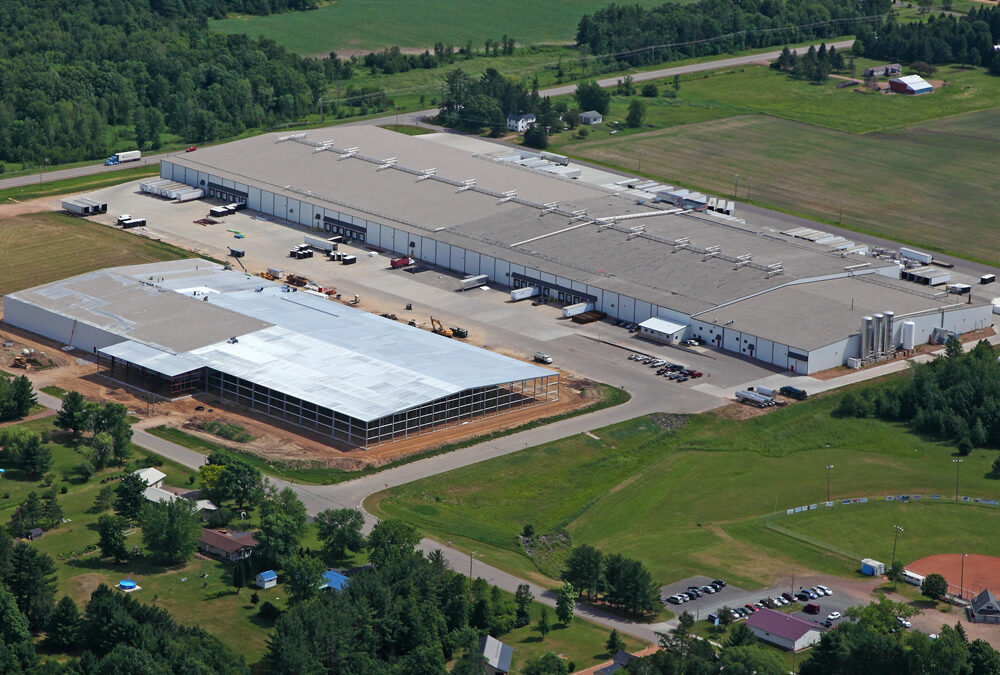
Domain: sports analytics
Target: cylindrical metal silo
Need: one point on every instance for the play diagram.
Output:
(909, 334)
(877, 336)
(890, 343)
(866, 337)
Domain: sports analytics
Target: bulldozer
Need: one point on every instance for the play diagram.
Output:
(439, 328)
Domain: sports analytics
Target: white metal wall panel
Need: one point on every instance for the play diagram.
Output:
(780, 355)
(731, 339)
(487, 266)
(546, 277)
(292, 208)
(609, 303)
(227, 183)
(502, 273)
(516, 269)
(643, 311)
(626, 308)
(253, 200)
(280, 206)
(472, 262)
(457, 259)
(267, 202)
(765, 350)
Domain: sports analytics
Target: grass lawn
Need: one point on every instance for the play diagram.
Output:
(39, 248)
(372, 24)
(80, 184)
(690, 501)
(580, 642)
(53, 390)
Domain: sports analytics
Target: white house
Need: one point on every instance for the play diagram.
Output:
(520, 123)
(153, 477)
(267, 579)
(591, 117)
(784, 630)
(159, 495)
(663, 331)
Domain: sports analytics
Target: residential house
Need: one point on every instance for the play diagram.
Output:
(226, 544)
(888, 70)
(619, 661)
(591, 117)
(520, 123)
(334, 581)
(159, 495)
(784, 630)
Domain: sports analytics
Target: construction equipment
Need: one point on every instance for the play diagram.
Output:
(296, 280)
(439, 328)
(459, 332)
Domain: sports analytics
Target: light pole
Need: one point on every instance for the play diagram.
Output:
(471, 556)
(895, 538)
(828, 467)
(961, 585)
(736, 184)
(958, 465)
(748, 188)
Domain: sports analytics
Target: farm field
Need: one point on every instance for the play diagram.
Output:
(38, 248)
(932, 178)
(690, 501)
(368, 25)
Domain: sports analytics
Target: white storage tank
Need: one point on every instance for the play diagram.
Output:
(909, 335)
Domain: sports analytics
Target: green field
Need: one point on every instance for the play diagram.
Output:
(371, 25)
(39, 248)
(80, 184)
(692, 501)
(932, 179)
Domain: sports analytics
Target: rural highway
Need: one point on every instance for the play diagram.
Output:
(417, 117)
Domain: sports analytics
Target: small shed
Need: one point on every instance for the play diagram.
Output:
(497, 655)
(872, 568)
(984, 608)
(660, 330)
(152, 476)
(267, 579)
(912, 85)
(34, 533)
(334, 581)
(591, 117)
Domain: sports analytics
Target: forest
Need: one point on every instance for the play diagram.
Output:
(966, 40)
(673, 30)
(955, 397)
(74, 74)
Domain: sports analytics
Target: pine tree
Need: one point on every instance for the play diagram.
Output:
(51, 511)
(239, 576)
(543, 623)
(523, 598)
(64, 625)
(615, 643)
(995, 471)
(565, 602)
(74, 415)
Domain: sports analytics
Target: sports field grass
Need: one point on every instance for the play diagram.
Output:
(690, 501)
(39, 248)
(376, 24)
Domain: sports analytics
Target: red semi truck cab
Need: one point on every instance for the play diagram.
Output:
(400, 262)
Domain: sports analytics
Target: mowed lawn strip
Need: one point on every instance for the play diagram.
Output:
(376, 24)
(689, 501)
(39, 248)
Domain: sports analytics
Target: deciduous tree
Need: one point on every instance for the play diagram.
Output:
(129, 498)
(303, 574)
(565, 602)
(170, 529)
(74, 416)
(934, 586)
(340, 531)
(391, 540)
(111, 537)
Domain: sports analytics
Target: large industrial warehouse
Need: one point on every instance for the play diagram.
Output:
(190, 326)
(772, 297)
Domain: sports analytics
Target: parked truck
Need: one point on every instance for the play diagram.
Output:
(396, 263)
(122, 157)
(321, 244)
(473, 282)
(579, 308)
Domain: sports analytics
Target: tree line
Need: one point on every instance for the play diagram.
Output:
(614, 579)
(67, 93)
(967, 40)
(955, 397)
(17, 397)
(634, 33)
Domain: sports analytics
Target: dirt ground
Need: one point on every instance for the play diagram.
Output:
(274, 440)
(981, 571)
(745, 411)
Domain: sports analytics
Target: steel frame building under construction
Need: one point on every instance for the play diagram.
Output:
(188, 327)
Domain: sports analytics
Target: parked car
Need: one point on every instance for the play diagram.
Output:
(191, 148)
(825, 590)
(682, 379)
(788, 597)
(811, 608)
(802, 596)
(674, 600)
(708, 589)
(720, 582)
(694, 591)
(903, 622)
(833, 616)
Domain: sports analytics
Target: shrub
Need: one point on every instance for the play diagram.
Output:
(649, 90)
(268, 611)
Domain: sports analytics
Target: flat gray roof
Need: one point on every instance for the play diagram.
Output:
(647, 266)
(339, 357)
(831, 306)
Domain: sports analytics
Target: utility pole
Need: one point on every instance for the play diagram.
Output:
(736, 184)
(958, 465)
(471, 556)
(828, 467)
(748, 188)
(961, 585)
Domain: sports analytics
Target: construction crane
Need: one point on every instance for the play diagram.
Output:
(439, 328)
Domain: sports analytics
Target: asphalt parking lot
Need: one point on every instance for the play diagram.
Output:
(734, 596)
